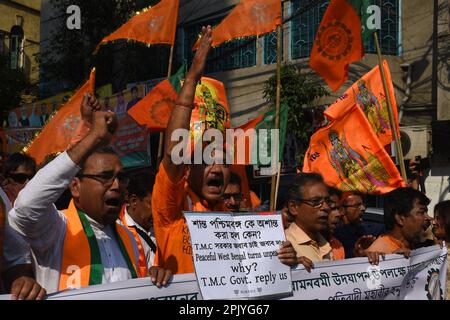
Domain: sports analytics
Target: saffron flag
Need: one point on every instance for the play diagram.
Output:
(369, 95)
(59, 131)
(155, 25)
(211, 106)
(338, 41)
(258, 143)
(348, 154)
(248, 18)
(155, 108)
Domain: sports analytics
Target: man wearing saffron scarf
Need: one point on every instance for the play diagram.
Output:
(82, 245)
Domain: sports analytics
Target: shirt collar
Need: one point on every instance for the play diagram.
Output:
(95, 224)
(131, 223)
(302, 238)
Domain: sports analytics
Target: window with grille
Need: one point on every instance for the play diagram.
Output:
(304, 27)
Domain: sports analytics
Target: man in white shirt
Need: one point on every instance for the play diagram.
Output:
(137, 215)
(83, 245)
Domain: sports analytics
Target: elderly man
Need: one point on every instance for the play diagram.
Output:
(308, 202)
(406, 220)
(83, 245)
(201, 189)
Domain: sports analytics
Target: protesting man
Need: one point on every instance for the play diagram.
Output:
(232, 196)
(353, 227)
(334, 218)
(199, 190)
(83, 245)
(17, 271)
(137, 217)
(406, 220)
(308, 201)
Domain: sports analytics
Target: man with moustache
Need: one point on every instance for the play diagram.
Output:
(308, 202)
(406, 220)
(82, 245)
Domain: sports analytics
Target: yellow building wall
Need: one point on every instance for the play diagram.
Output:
(29, 10)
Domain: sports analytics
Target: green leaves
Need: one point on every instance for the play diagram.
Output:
(298, 89)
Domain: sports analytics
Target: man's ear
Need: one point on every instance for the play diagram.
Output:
(75, 188)
(292, 208)
(399, 219)
(132, 200)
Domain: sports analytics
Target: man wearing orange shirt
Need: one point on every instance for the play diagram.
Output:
(406, 220)
(200, 188)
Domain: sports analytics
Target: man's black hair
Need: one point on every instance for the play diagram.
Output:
(16, 160)
(335, 192)
(235, 179)
(295, 190)
(401, 201)
(141, 183)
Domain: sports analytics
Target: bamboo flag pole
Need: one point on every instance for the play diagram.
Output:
(161, 134)
(398, 145)
(275, 181)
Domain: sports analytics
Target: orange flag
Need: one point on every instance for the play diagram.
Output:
(368, 92)
(349, 155)
(155, 108)
(58, 132)
(248, 18)
(156, 24)
(338, 42)
(211, 106)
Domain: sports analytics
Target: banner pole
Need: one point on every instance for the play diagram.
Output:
(398, 145)
(161, 134)
(273, 193)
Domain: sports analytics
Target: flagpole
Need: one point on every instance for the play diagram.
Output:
(398, 145)
(161, 134)
(275, 181)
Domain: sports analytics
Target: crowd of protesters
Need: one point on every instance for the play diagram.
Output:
(80, 220)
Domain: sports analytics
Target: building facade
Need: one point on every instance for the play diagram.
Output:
(414, 38)
(20, 35)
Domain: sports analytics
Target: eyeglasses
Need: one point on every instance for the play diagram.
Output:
(236, 196)
(316, 202)
(107, 179)
(21, 177)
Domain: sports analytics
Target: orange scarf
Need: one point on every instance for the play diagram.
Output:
(143, 268)
(77, 260)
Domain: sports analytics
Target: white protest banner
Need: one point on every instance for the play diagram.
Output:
(422, 277)
(235, 255)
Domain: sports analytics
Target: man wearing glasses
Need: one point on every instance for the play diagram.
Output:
(355, 233)
(308, 202)
(17, 270)
(83, 245)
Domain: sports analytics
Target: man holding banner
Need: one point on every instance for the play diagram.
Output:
(406, 220)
